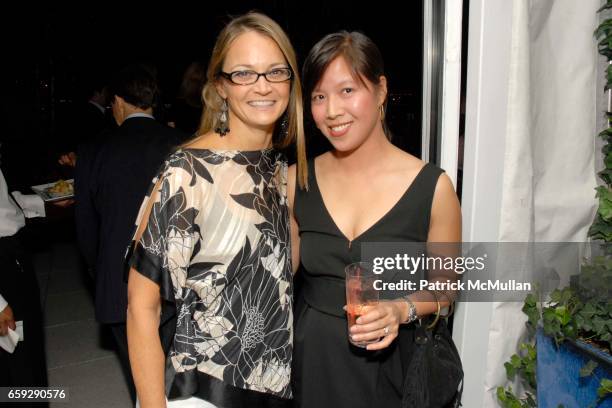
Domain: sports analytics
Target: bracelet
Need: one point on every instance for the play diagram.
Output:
(412, 312)
(433, 324)
(451, 304)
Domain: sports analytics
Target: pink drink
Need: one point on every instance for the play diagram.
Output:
(361, 296)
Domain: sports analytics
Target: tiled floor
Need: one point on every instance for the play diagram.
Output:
(80, 353)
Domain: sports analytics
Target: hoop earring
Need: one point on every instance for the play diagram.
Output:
(223, 126)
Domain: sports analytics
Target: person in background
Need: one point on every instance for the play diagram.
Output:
(213, 237)
(363, 190)
(186, 112)
(88, 120)
(19, 301)
(110, 183)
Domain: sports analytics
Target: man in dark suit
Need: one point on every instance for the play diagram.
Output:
(86, 121)
(93, 115)
(113, 175)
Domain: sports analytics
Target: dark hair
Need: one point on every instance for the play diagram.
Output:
(193, 81)
(94, 84)
(137, 86)
(359, 52)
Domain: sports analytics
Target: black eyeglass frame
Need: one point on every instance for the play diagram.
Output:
(228, 76)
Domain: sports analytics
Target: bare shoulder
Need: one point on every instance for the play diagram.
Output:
(445, 190)
(323, 162)
(204, 141)
(445, 224)
(445, 197)
(406, 163)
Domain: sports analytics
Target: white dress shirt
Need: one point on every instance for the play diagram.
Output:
(11, 216)
(100, 107)
(140, 115)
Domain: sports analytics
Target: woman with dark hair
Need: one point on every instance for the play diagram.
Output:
(364, 190)
(213, 238)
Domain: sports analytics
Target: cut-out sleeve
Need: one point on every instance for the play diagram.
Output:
(163, 251)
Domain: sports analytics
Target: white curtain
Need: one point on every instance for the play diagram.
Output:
(550, 154)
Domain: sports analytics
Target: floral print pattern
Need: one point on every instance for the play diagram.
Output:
(217, 243)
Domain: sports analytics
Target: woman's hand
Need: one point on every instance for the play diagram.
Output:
(382, 322)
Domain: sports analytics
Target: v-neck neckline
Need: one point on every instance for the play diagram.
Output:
(377, 222)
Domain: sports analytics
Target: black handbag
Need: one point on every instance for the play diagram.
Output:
(434, 375)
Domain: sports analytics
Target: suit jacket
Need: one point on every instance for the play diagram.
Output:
(78, 125)
(92, 121)
(112, 177)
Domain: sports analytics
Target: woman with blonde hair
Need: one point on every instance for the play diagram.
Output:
(213, 237)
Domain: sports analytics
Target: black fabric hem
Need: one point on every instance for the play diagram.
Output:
(150, 266)
(221, 394)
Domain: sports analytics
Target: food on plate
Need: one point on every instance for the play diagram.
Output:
(62, 187)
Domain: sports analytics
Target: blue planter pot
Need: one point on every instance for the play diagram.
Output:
(558, 373)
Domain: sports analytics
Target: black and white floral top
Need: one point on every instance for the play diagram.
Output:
(217, 243)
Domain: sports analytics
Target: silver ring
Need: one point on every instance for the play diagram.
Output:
(386, 330)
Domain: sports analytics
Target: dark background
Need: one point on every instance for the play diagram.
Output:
(50, 52)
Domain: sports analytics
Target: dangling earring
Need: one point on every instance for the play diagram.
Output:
(382, 112)
(223, 126)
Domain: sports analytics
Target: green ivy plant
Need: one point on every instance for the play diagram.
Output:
(523, 363)
(594, 318)
(601, 229)
(577, 311)
(582, 310)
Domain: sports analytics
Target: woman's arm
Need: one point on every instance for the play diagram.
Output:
(145, 350)
(293, 227)
(444, 227)
(147, 359)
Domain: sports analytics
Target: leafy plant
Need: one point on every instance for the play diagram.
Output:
(557, 316)
(530, 308)
(605, 388)
(602, 226)
(509, 400)
(594, 320)
(581, 310)
(605, 384)
(523, 363)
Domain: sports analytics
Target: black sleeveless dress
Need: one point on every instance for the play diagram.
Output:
(327, 370)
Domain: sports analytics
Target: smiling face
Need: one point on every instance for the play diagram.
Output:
(344, 109)
(259, 105)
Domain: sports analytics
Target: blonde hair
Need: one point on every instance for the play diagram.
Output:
(264, 25)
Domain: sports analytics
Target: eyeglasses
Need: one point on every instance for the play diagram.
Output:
(248, 77)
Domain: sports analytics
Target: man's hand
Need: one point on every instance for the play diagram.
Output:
(6, 320)
(68, 159)
(63, 203)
